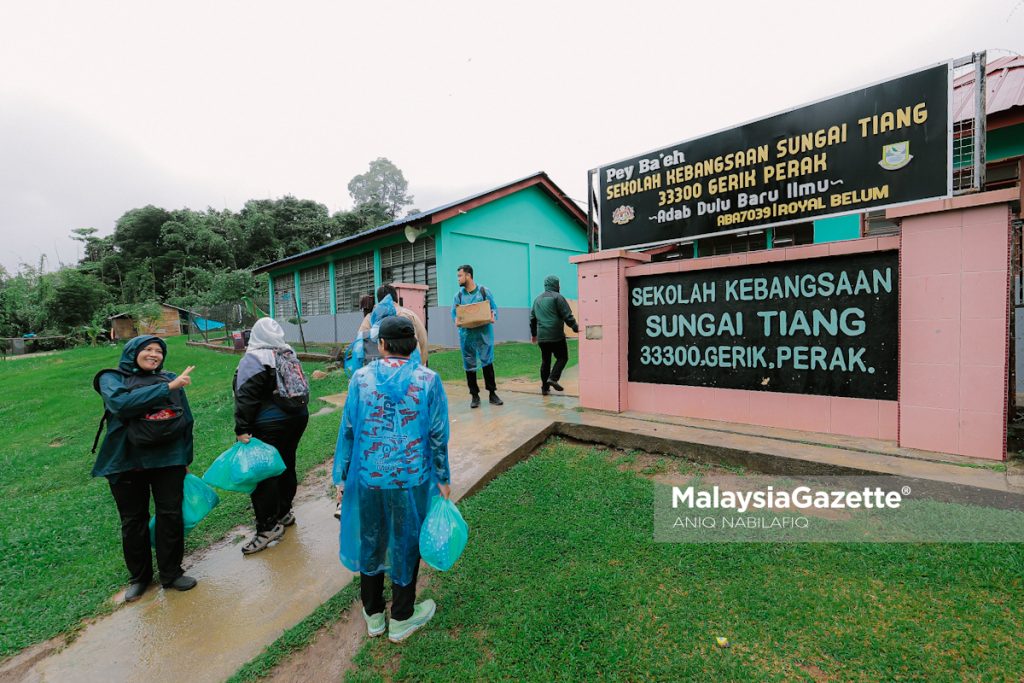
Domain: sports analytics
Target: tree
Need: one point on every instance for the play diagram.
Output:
(363, 217)
(75, 298)
(385, 184)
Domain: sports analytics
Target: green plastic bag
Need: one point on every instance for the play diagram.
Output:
(244, 465)
(443, 535)
(196, 503)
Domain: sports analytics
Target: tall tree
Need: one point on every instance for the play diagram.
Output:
(385, 184)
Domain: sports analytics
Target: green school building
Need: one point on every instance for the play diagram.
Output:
(513, 236)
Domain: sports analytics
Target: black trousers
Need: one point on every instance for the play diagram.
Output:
(558, 349)
(131, 492)
(403, 598)
(273, 497)
(489, 382)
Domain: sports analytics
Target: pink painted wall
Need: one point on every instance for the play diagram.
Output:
(953, 337)
(954, 330)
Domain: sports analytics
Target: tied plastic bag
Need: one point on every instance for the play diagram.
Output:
(196, 503)
(443, 535)
(244, 465)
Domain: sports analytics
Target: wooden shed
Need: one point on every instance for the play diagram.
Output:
(173, 321)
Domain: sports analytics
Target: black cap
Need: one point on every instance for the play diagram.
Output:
(395, 327)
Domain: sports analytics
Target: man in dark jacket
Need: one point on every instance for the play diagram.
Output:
(548, 318)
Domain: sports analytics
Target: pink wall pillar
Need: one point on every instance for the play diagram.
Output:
(954, 325)
(603, 328)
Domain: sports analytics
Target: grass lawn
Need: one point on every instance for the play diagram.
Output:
(561, 581)
(60, 554)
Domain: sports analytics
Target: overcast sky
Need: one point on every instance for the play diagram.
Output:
(107, 106)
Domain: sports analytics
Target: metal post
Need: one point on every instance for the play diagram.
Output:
(980, 129)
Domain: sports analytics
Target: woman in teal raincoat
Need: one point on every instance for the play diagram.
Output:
(146, 450)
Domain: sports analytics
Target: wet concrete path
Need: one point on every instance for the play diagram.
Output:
(242, 604)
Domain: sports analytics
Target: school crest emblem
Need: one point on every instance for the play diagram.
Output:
(895, 156)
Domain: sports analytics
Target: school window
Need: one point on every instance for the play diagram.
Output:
(314, 291)
(754, 240)
(353, 279)
(876, 224)
(284, 297)
(793, 235)
(413, 263)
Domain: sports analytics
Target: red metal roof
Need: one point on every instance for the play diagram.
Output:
(1005, 88)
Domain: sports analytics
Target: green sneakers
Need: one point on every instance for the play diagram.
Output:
(375, 624)
(399, 630)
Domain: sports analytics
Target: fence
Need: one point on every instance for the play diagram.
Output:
(217, 322)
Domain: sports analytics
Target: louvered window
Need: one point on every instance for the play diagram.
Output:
(353, 279)
(314, 291)
(413, 263)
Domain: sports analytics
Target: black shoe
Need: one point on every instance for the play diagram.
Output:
(544, 389)
(555, 385)
(136, 591)
(495, 401)
(182, 583)
(475, 402)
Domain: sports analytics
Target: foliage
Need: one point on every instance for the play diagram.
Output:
(385, 184)
(75, 298)
(189, 258)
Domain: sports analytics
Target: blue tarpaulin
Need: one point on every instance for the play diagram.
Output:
(205, 325)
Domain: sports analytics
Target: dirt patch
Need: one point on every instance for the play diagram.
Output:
(330, 654)
(56, 443)
(18, 666)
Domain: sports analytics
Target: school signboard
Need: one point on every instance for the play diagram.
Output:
(879, 146)
(825, 326)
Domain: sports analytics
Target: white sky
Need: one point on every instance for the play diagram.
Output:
(108, 106)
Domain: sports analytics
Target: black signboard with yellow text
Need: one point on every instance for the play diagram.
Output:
(825, 326)
(879, 146)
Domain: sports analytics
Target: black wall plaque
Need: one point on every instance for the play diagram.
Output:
(879, 146)
(824, 326)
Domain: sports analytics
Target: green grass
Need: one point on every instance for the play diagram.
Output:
(60, 555)
(561, 581)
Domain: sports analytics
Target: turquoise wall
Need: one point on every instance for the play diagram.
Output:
(837, 228)
(512, 243)
(1003, 143)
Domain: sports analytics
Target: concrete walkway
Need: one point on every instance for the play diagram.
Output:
(242, 604)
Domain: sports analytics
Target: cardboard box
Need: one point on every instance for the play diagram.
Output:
(473, 315)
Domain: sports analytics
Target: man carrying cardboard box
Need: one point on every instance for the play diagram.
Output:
(474, 313)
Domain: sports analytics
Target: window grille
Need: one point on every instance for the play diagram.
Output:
(969, 130)
(284, 297)
(413, 263)
(314, 291)
(353, 279)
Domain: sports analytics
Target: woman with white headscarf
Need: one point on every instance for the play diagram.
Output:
(260, 412)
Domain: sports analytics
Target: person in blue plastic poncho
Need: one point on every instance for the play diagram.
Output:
(391, 457)
(477, 343)
(145, 452)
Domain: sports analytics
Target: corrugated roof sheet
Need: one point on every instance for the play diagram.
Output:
(1005, 88)
(540, 177)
